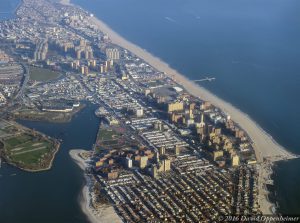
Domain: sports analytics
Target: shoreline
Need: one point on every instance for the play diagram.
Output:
(267, 150)
(264, 145)
(106, 214)
(265, 172)
(12, 11)
(49, 167)
(56, 145)
(44, 118)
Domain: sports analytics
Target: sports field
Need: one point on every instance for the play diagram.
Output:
(25, 148)
(42, 74)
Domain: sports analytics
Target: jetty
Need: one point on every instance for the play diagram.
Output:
(205, 79)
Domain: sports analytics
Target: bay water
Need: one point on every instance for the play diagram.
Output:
(50, 196)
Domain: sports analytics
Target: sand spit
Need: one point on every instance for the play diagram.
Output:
(105, 214)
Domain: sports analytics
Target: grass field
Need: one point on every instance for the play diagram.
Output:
(42, 74)
(27, 149)
(107, 134)
(110, 138)
(24, 148)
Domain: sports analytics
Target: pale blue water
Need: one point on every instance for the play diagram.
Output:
(50, 196)
(7, 8)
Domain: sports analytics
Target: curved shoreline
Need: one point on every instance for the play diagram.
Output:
(263, 143)
(105, 214)
(57, 146)
(55, 143)
(13, 11)
(265, 147)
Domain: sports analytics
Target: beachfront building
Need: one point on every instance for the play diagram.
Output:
(112, 54)
(143, 161)
(176, 106)
(235, 160)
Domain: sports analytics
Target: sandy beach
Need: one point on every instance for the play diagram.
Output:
(105, 214)
(264, 145)
(266, 148)
(265, 172)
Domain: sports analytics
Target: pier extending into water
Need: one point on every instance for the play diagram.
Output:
(205, 79)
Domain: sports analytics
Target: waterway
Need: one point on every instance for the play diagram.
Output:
(7, 8)
(50, 196)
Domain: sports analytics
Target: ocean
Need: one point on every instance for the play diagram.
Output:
(7, 8)
(251, 47)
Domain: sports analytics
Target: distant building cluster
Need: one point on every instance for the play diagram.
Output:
(112, 162)
(11, 75)
(112, 54)
(85, 49)
(221, 138)
(92, 66)
(41, 50)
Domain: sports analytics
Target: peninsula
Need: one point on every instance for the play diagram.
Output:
(265, 146)
(26, 149)
(166, 149)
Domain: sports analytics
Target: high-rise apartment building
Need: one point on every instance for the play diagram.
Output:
(112, 54)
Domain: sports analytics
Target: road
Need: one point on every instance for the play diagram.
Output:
(24, 81)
